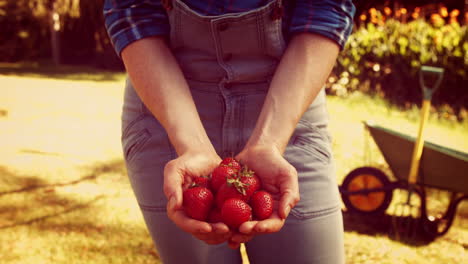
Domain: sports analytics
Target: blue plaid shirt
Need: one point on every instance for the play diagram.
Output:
(130, 20)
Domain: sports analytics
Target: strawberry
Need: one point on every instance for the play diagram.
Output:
(235, 212)
(250, 182)
(262, 205)
(231, 162)
(215, 216)
(228, 190)
(219, 176)
(198, 202)
(203, 181)
(241, 186)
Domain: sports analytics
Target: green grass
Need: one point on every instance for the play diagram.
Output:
(65, 197)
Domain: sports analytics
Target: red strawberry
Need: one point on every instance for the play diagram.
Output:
(231, 162)
(235, 212)
(262, 205)
(198, 202)
(215, 216)
(228, 190)
(202, 181)
(219, 176)
(251, 182)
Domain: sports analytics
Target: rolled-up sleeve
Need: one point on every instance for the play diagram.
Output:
(330, 18)
(129, 20)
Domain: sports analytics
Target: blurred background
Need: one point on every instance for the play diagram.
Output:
(64, 195)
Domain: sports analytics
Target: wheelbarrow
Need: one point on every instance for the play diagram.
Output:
(369, 191)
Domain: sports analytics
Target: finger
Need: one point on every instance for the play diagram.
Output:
(233, 245)
(240, 238)
(270, 225)
(173, 183)
(187, 224)
(220, 228)
(212, 238)
(247, 228)
(289, 196)
(286, 203)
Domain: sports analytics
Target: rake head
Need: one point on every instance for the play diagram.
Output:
(405, 219)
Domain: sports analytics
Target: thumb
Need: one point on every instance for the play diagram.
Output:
(287, 202)
(289, 194)
(173, 187)
(173, 205)
(175, 200)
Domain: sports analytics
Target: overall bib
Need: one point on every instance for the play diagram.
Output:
(228, 62)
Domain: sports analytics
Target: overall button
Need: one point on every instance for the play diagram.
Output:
(223, 26)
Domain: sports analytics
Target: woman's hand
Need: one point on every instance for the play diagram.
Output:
(279, 178)
(178, 175)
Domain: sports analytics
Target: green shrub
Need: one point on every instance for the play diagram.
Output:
(385, 61)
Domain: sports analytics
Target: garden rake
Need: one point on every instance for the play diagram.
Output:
(407, 214)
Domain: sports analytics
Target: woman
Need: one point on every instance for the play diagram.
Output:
(211, 80)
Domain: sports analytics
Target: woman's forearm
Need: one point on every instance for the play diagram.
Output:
(160, 84)
(299, 77)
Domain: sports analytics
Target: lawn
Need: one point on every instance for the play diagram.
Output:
(65, 198)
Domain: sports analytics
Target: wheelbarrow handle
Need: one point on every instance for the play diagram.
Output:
(433, 71)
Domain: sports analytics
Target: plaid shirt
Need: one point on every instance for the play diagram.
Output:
(130, 20)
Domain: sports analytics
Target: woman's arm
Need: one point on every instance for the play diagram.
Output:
(301, 74)
(160, 84)
(299, 77)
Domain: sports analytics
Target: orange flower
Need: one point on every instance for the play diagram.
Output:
(443, 11)
(454, 13)
(387, 11)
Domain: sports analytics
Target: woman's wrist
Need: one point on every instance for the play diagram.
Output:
(189, 143)
(264, 141)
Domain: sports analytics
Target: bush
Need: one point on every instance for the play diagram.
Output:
(26, 32)
(385, 60)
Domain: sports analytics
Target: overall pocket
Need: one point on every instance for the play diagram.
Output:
(309, 151)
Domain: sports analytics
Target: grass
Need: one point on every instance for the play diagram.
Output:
(65, 198)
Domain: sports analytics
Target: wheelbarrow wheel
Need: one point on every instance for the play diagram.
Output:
(365, 178)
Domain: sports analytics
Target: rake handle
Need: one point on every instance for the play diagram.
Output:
(418, 148)
(427, 90)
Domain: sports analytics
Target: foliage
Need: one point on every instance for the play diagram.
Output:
(385, 60)
(21, 31)
(27, 25)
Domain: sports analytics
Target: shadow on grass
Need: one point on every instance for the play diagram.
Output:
(36, 194)
(31, 183)
(64, 72)
(68, 209)
(75, 224)
(387, 225)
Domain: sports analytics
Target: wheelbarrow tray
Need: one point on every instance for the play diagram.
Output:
(440, 167)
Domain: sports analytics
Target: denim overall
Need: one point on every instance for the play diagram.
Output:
(228, 62)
